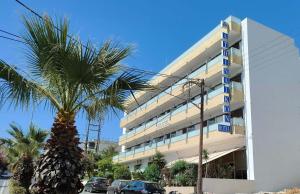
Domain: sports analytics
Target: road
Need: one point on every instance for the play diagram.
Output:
(3, 186)
(85, 192)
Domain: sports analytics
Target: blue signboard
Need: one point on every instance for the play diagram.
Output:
(226, 89)
(224, 128)
(224, 35)
(226, 80)
(224, 44)
(226, 71)
(227, 118)
(227, 99)
(225, 53)
(225, 62)
(226, 109)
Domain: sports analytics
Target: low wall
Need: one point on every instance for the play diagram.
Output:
(181, 190)
(218, 186)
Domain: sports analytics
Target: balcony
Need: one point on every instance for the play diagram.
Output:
(198, 53)
(214, 140)
(210, 72)
(183, 115)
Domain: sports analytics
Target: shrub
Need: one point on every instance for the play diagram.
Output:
(158, 159)
(179, 167)
(138, 175)
(14, 187)
(105, 166)
(121, 172)
(88, 163)
(183, 173)
(152, 173)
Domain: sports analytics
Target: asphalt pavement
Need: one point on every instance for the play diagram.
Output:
(4, 186)
(85, 192)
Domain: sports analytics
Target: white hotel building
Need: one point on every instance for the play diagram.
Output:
(251, 110)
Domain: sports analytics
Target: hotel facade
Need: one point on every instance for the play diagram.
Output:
(251, 110)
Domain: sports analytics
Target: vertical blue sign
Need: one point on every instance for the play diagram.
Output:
(225, 127)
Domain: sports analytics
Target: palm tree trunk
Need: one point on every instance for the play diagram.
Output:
(59, 168)
(206, 169)
(23, 172)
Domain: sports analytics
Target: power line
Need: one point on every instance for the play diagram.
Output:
(12, 39)
(153, 73)
(9, 33)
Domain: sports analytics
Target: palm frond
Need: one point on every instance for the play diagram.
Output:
(15, 86)
(24, 144)
(19, 89)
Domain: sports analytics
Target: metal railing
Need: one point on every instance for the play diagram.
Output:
(202, 69)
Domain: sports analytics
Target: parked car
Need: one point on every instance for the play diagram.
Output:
(6, 175)
(96, 184)
(142, 187)
(116, 186)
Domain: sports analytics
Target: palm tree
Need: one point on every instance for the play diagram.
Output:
(205, 156)
(22, 150)
(67, 76)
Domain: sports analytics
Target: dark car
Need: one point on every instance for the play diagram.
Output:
(142, 187)
(96, 184)
(116, 186)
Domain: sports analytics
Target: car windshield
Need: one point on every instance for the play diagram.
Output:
(101, 180)
(153, 186)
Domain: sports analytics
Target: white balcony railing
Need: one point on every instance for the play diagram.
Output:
(211, 94)
(210, 64)
(210, 128)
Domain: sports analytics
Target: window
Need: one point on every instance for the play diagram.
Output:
(137, 167)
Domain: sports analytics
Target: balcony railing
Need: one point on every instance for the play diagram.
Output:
(236, 121)
(203, 69)
(157, 121)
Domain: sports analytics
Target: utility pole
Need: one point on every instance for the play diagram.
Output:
(200, 83)
(93, 127)
(200, 170)
(98, 136)
(87, 136)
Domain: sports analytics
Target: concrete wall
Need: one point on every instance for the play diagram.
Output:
(218, 186)
(272, 107)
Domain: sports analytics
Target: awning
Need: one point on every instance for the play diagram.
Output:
(211, 157)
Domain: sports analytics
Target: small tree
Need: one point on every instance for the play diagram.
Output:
(152, 173)
(22, 150)
(105, 167)
(121, 172)
(158, 159)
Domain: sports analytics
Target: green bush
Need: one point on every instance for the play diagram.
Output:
(138, 175)
(121, 172)
(182, 179)
(15, 188)
(105, 166)
(179, 167)
(152, 173)
(183, 173)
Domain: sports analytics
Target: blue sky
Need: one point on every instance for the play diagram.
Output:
(160, 30)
